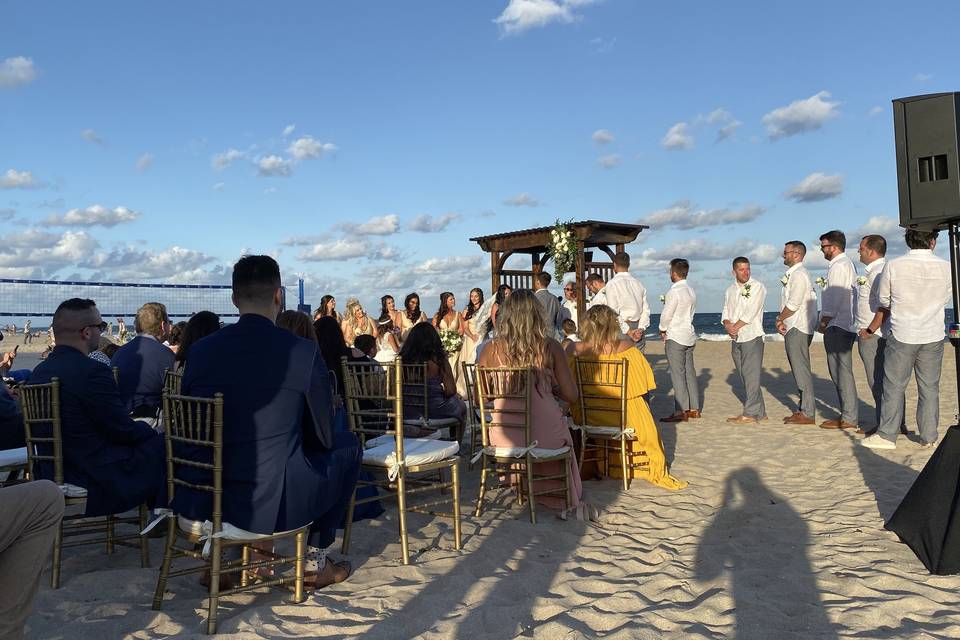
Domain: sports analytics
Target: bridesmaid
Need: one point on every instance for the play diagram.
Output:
(448, 320)
(472, 334)
(503, 292)
(389, 312)
(356, 323)
(328, 307)
(411, 315)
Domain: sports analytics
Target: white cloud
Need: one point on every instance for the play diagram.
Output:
(815, 187)
(45, 251)
(91, 136)
(14, 179)
(219, 186)
(309, 147)
(703, 249)
(603, 45)
(426, 223)
(521, 15)
(273, 165)
(144, 162)
(376, 226)
(682, 215)
(448, 265)
(875, 111)
(287, 130)
(726, 123)
(879, 225)
(522, 200)
(93, 216)
(342, 249)
(269, 190)
(800, 116)
(601, 137)
(609, 161)
(17, 71)
(923, 77)
(134, 263)
(678, 137)
(226, 158)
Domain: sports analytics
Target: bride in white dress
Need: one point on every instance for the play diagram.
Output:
(387, 346)
(447, 320)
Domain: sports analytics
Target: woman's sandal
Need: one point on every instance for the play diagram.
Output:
(584, 512)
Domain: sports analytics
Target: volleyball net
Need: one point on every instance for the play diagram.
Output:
(40, 298)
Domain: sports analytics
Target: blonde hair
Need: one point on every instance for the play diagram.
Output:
(150, 319)
(600, 328)
(520, 330)
(351, 317)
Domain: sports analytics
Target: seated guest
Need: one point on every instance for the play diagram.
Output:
(200, 325)
(520, 341)
(297, 323)
(332, 348)
(423, 346)
(387, 345)
(100, 355)
(11, 421)
(176, 334)
(144, 360)
(284, 466)
(119, 461)
(31, 516)
(600, 340)
(367, 345)
(569, 333)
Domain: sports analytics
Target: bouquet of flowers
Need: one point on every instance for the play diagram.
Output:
(451, 340)
(563, 249)
(822, 282)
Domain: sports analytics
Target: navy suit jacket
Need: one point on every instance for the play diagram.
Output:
(278, 428)
(118, 460)
(11, 422)
(142, 363)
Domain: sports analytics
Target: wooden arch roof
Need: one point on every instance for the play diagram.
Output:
(592, 233)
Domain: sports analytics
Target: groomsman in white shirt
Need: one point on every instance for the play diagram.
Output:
(838, 327)
(679, 339)
(597, 288)
(628, 297)
(797, 322)
(912, 290)
(743, 320)
(871, 344)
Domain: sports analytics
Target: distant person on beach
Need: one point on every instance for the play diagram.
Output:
(27, 335)
(284, 464)
(872, 344)
(121, 330)
(838, 327)
(742, 318)
(628, 297)
(119, 461)
(679, 340)
(144, 360)
(912, 290)
(797, 322)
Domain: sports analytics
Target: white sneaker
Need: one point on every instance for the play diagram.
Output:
(876, 441)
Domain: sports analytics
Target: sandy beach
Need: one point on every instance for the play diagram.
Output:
(779, 535)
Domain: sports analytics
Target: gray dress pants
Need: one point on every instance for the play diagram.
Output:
(839, 347)
(872, 353)
(899, 359)
(31, 515)
(797, 345)
(748, 359)
(686, 393)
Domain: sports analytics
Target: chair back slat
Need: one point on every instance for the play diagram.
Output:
(504, 399)
(470, 386)
(603, 391)
(193, 437)
(40, 406)
(373, 399)
(172, 381)
(415, 388)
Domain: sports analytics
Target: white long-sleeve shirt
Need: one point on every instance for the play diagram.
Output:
(745, 302)
(677, 316)
(915, 287)
(798, 296)
(628, 297)
(867, 303)
(838, 298)
(569, 310)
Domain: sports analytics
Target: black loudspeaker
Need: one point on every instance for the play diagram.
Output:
(928, 170)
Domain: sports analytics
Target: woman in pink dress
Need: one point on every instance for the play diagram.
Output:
(521, 342)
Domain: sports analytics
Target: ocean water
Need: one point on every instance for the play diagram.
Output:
(708, 327)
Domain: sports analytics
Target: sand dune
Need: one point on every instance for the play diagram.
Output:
(779, 535)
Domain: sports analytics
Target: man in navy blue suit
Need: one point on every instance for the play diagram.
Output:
(143, 361)
(119, 461)
(283, 464)
(11, 422)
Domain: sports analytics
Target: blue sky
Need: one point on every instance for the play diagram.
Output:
(362, 144)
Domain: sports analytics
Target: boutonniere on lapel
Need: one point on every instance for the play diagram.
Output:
(822, 282)
(746, 290)
(861, 280)
(785, 279)
(663, 299)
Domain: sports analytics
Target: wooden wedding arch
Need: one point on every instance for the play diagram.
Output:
(607, 237)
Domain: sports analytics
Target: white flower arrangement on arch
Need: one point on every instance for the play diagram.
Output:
(562, 249)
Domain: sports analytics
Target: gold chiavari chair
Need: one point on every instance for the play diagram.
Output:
(374, 402)
(40, 404)
(603, 401)
(504, 399)
(416, 396)
(473, 410)
(193, 434)
(172, 381)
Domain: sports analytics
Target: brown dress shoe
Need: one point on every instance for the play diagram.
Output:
(830, 424)
(693, 414)
(332, 573)
(799, 419)
(792, 416)
(847, 425)
(677, 417)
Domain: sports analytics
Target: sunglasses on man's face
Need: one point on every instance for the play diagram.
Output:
(101, 326)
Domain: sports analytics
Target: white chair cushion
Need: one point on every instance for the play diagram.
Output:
(13, 457)
(230, 532)
(73, 491)
(416, 451)
(605, 431)
(520, 452)
(389, 438)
